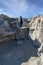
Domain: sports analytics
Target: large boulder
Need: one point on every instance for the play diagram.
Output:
(22, 33)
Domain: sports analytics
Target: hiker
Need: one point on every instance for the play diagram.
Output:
(21, 21)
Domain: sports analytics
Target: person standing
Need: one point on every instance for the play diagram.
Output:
(21, 21)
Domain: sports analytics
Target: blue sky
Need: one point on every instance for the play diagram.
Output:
(25, 8)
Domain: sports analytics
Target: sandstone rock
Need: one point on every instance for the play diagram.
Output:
(40, 53)
(36, 29)
(22, 33)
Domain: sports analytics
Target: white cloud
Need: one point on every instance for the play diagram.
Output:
(19, 7)
(16, 6)
(1, 10)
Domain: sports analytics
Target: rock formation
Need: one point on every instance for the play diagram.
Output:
(36, 26)
(32, 28)
(22, 33)
(36, 33)
(10, 29)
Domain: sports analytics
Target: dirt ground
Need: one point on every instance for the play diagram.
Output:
(26, 54)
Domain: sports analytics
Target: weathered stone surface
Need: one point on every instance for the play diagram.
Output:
(7, 36)
(26, 52)
(36, 33)
(40, 53)
(22, 33)
(36, 30)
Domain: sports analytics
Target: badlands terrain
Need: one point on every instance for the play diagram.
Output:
(19, 45)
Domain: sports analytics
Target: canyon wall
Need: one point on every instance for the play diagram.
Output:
(34, 24)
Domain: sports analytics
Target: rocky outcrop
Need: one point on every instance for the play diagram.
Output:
(19, 35)
(22, 33)
(34, 24)
(10, 29)
(40, 54)
(36, 29)
(36, 33)
(7, 36)
(32, 28)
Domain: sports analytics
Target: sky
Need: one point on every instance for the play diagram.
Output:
(24, 8)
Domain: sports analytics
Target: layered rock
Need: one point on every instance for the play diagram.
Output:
(36, 33)
(40, 54)
(36, 29)
(35, 24)
(7, 36)
(10, 29)
(22, 33)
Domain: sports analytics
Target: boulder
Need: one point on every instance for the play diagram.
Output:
(22, 33)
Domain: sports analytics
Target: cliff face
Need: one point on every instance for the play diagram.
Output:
(10, 29)
(31, 28)
(7, 23)
(35, 24)
(36, 29)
